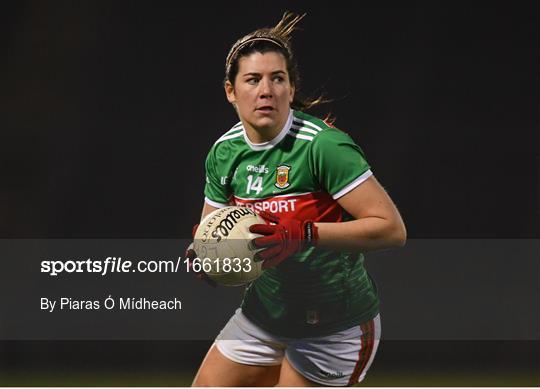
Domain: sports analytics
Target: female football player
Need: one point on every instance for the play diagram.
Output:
(312, 317)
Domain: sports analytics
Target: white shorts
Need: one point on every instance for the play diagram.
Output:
(339, 359)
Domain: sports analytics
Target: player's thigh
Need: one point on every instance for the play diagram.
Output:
(218, 370)
(289, 377)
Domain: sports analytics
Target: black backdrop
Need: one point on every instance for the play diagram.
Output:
(108, 109)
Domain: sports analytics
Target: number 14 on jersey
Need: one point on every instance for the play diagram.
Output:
(254, 185)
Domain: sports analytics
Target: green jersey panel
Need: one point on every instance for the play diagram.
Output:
(299, 174)
(336, 160)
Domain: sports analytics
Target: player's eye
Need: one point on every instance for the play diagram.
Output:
(279, 78)
(252, 81)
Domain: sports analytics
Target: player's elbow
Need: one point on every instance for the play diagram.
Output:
(400, 238)
(400, 235)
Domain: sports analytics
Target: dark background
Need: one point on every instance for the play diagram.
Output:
(107, 110)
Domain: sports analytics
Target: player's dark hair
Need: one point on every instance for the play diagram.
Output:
(274, 39)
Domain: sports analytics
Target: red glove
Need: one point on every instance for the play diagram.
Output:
(190, 256)
(283, 238)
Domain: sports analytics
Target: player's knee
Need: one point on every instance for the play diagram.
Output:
(207, 379)
(199, 381)
(245, 377)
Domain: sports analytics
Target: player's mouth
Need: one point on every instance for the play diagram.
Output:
(265, 108)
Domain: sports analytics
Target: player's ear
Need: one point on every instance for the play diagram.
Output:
(229, 92)
(291, 97)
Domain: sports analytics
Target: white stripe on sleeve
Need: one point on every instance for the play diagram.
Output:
(214, 203)
(353, 185)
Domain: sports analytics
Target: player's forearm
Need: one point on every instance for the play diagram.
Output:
(366, 234)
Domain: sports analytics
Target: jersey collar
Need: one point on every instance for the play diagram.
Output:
(271, 143)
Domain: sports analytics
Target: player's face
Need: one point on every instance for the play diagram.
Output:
(262, 92)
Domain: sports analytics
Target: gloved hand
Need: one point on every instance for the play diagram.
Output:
(190, 256)
(282, 239)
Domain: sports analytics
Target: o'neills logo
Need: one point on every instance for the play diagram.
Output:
(337, 374)
(282, 176)
(228, 222)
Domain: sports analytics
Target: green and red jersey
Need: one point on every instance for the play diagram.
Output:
(299, 174)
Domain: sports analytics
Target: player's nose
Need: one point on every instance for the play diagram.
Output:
(265, 88)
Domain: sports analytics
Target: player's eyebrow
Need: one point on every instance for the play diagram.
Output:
(258, 74)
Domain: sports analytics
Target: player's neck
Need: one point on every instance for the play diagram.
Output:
(261, 135)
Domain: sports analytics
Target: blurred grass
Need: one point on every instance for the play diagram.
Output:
(375, 378)
(98, 378)
(424, 378)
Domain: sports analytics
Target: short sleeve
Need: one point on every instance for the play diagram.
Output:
(217, 189)
(338, 163)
